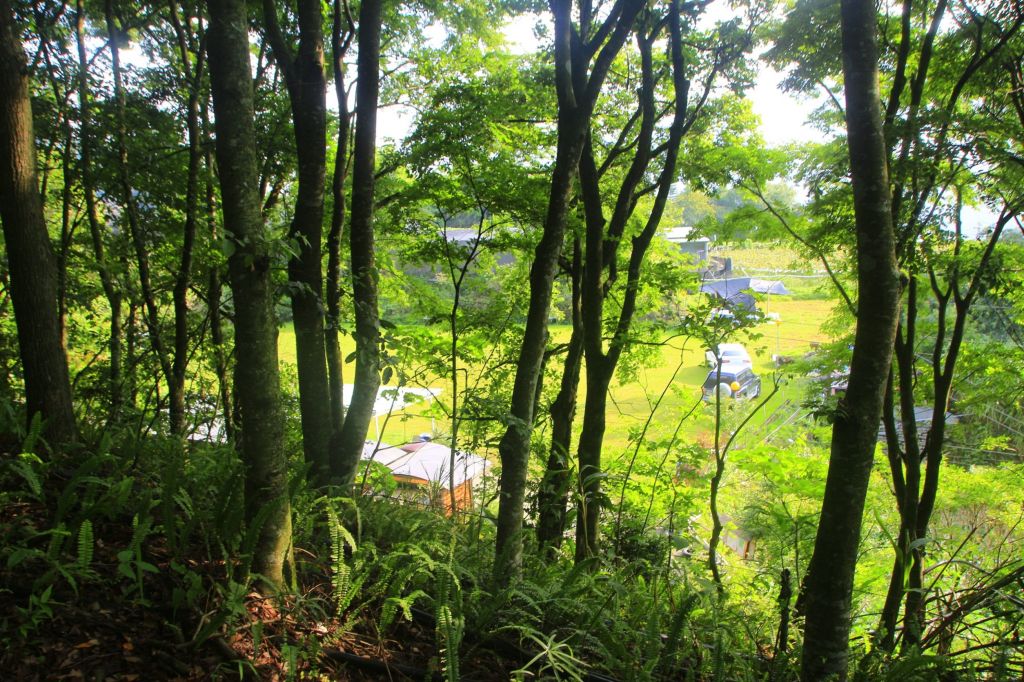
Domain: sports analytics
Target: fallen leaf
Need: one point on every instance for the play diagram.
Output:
(88, 644)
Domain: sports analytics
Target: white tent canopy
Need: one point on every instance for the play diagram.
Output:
(727, 288)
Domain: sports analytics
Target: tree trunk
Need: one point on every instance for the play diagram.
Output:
(152, 314)
(256, 373)
(514, 447)
(33, 271)
(553, 493)
(347, 448)
(66, 231)
(340, 41)
(107, 280)
(829, 584)
(215, 288)
(916, 492)
(603, 242)
(591, 438)
(577, 93)
(131, 338)
(905, 463)
(193, 73)
(307, 91)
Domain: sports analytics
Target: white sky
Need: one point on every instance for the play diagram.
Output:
(783, 116)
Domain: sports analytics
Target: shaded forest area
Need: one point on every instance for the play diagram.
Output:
(248, 245)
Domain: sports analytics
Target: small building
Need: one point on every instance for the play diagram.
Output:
(424, 473)
(680, 236)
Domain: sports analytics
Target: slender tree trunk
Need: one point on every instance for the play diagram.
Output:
(152, 313)
(458, 277)
(595, 409)
(65, 238)
(220, 352)
(603, 242)
(829, 584)
(256, 373)
(307, 90)
(193, 73)
(782, 638)
(907, 461)
(340, 41)
(453, 332)
(716, 478)
(916, 489)
(131, 338)
(553, 493)
(577, 93)
(348, 445)
(514, 447)
(30, 259)
(107, 280)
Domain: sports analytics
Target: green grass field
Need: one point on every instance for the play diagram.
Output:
(677, 371)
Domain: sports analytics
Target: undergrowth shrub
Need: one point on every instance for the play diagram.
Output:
(171, 520)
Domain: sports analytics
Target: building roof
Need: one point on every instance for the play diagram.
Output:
(428, 461)
(682, 234)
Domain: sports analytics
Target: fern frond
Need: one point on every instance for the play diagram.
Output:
(85, 545)
(184, 502)
(25, 466)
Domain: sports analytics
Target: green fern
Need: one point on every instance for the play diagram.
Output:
(184, 502)
(392, 606)
(26, 466)
(131, 563)
(672, 640)
(35, 430)
(54, 549)
(85, 546)
(451, 622)
(341, 578)
(449, 632)
(554, 657)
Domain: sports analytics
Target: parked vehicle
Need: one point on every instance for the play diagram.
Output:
(731, 382)
(734, 356)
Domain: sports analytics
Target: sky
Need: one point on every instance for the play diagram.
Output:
(783, 116)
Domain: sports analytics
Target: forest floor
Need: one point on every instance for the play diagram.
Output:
(100, 627)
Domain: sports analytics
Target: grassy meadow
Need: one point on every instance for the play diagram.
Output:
(677, 369)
